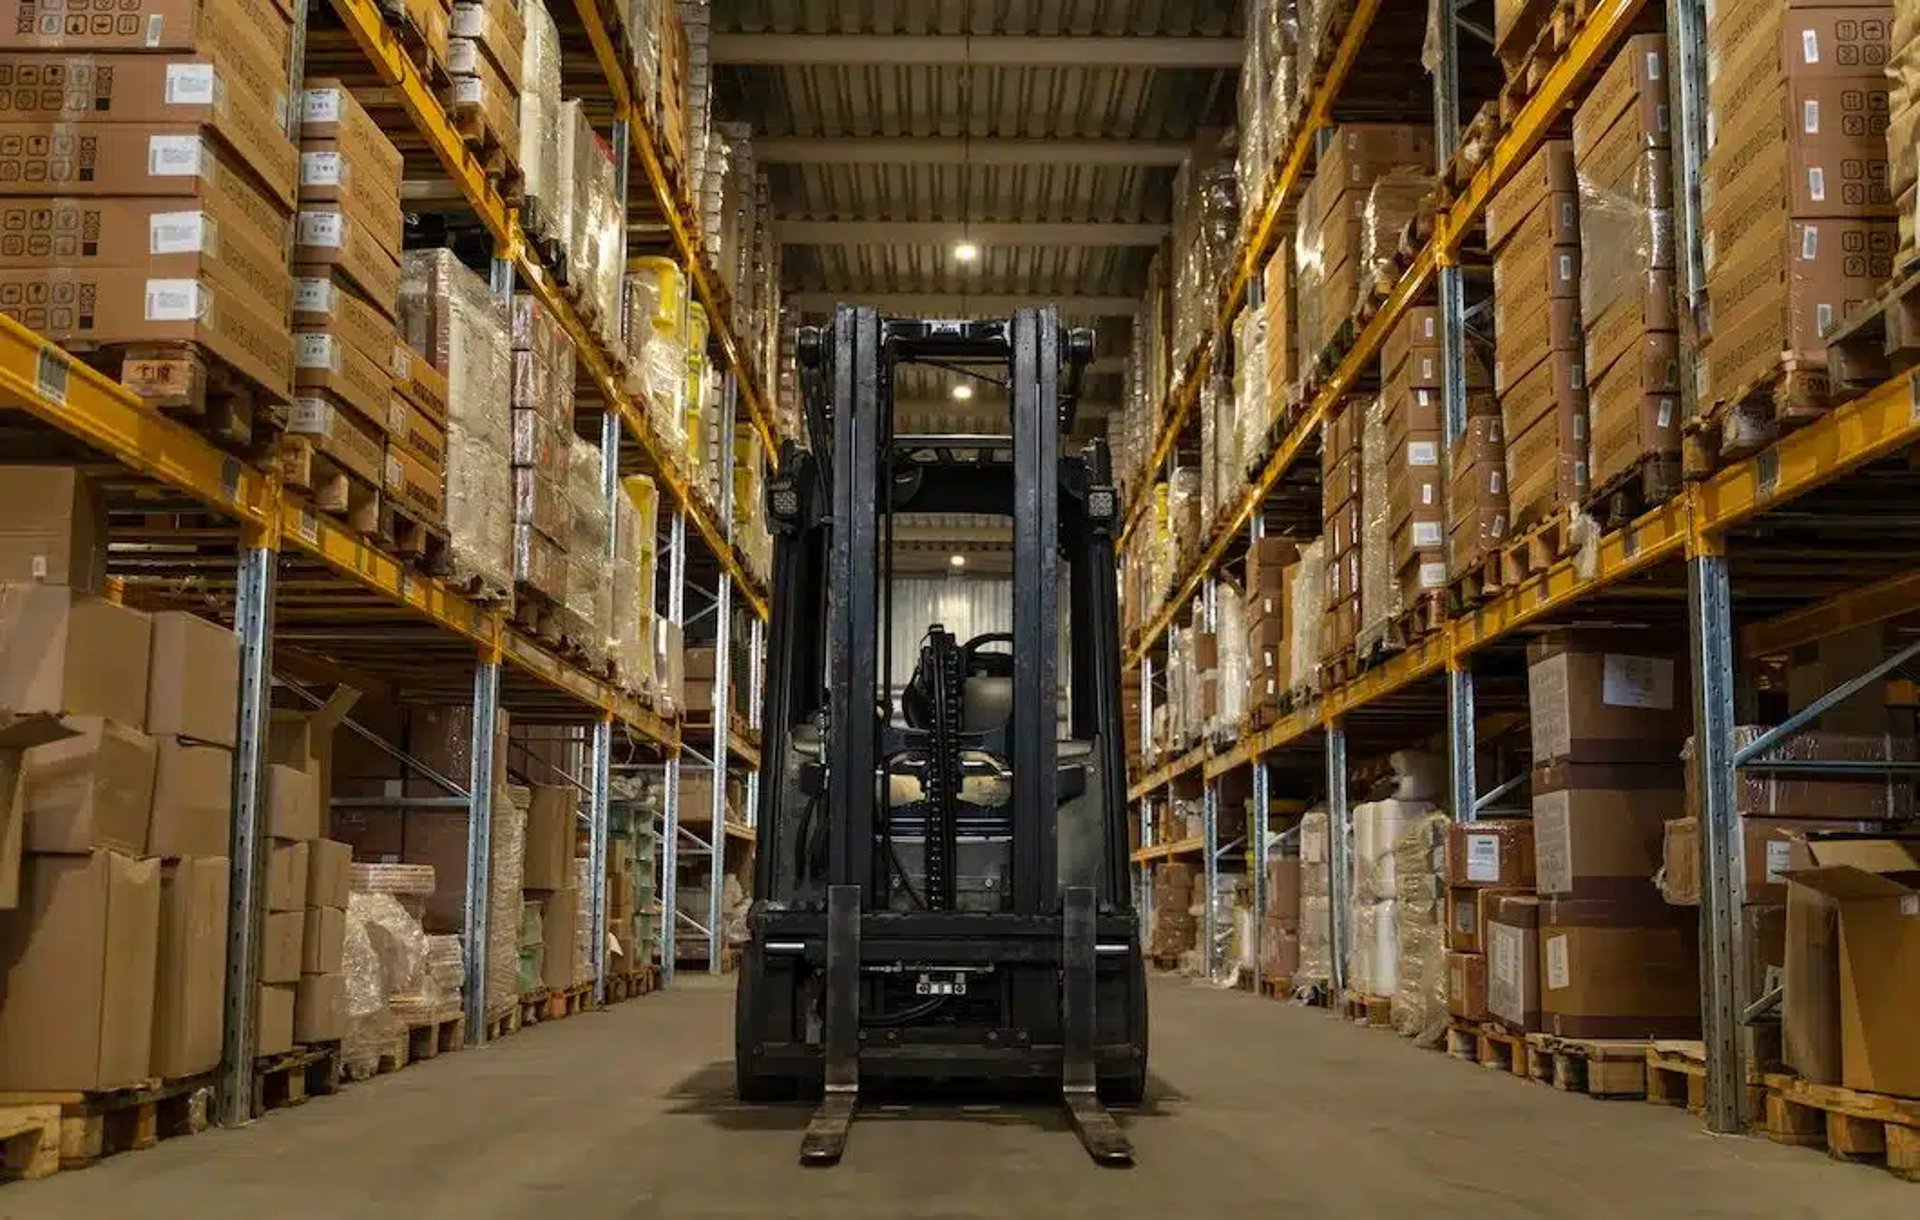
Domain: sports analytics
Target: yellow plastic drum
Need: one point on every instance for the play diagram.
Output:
(669, 290)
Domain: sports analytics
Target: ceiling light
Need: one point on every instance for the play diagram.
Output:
(958, 561)
(965, 252)
(962, 391)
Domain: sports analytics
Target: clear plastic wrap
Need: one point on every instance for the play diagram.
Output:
(370, 1027)
(1231, 615)
(1420, 1001)
(1380, 600)
(539, 118)
(1310, 280)
(595, 268)
(452, 316)
(1307, 600)
(1903, 128)
(1759, 793)
(584, 952)
(506, 852)
(1393, 200)
(626, 624)
(1316, 886)
(384, 962)
(589, 599)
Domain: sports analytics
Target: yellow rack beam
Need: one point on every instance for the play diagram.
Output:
(1169, 771)
(1606, 25)
(1254, 254)
(1167, 851)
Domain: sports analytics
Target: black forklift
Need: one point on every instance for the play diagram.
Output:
(941, 892)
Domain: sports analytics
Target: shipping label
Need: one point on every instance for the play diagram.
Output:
(1556, 963)
(1629, 681)
(1483, 857)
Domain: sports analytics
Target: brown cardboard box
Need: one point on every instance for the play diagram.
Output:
(1632, 90)
(1823, 665)
(273, 1019)
(17, 736)
(287, 868)
(498, 29)
(324, 361)
(78, 958)
(1810, 982)
(550, 838)
(1680, 862)
(1463, 919)
(1496, 852)
(107, 305)
(413, 430)
(1546, 181)
(1531, 266)
(1627, 424)
(1598, 831)
(1763, 932)
(67, 652)
(1516, 23)
(1545, 419)
(438, 838)
(1513, 962)
(330, 173)
(231, 87)
(423, 385)
(193, 682)
(190, 973)
(55, 528)
(192, 799)
(1618, 970)
(330, 113)
(1283, 888)
(558, 920)
(142, 25)
(338, 431)
(326, 234)
(1361, 152)
(293, 807)
(281, 935)
(481, 91)
(418, 485)
(320, 1008)
(324, 300)
(90, 791)
(1602, 699)
(303, 740)
(1767, 846)
(329, 873)
(1467, 986)
(1810, 40)
(1765, 151)
(323, 933)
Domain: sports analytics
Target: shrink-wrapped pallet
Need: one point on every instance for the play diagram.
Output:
(1306, 599)
(539, 120)
(451, 314)
(626, 626)
(505, 914)
(1420, 1000)
(589, 601)
(1380, 600)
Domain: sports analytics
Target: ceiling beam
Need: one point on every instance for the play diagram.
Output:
(949, 150)
(795, 232)
(972, 304)
(959, 50)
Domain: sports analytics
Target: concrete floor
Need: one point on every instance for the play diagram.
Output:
(627, 1113)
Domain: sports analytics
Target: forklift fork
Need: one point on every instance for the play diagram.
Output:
(826, 1137)
(1099, 1134)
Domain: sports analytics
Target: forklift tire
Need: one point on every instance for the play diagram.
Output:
(751, 1087)
(1129, 1088)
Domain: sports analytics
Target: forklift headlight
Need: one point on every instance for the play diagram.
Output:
(1100, 504)
(783, 501)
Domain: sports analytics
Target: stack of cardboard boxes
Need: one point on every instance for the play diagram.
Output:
(1903, 121)
(548, 879)
(346, 298)
(543, 358)
(1539, 370)
(1332, 239)
(1272, 565)
(114, 827)
(1623, 156)
(1486, 863)
(484, 50)
(1282, 348)
(1798, 216)
(302, 996)
(1341, 524)
(1412, 374)
(154, 185)
(1174, 927)
(1280, 927)
(1477, 508)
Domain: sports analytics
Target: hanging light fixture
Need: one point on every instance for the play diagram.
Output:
(962, 391)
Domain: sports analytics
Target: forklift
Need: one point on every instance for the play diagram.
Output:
(941, 892)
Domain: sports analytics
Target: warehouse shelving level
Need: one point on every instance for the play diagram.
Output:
(196, 527)
(1697, 551)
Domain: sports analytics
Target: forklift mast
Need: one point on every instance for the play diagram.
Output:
(941, 888)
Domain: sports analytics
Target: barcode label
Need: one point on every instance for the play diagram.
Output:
(313, 351)
(1483, 857)
(156, 26)
(320, 106)
(173, 300)
(313, 294)
(1423, 453)
(1810, 116)
(1817, 183)
(323, 168)
(1426, 533)
(173, 156)
(327, 230)
(190, 85)
(177, 233)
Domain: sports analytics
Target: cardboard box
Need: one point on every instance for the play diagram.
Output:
(107, 305)
(1467, 986)
(1513, 963)
(417, 485)
(1598, 831)
(1358, 153)
(413, 430)
(79, 961)
(559, 918)
(144, 25)
(192, 799)
(1765, 151)
(1628, 424)
(190, 973)
(1805, 40)
(1618, 970)
(17, 736)
(273, 1019)
(1463, 919)
(293, 808)
(423, 385)
(323, 300)
(1767, 846)
(70, 653)
(1680, 862)
(1604, 699)
(1633, 91)
(329, 173)
(282, 934)
(340, 432)
(496, 28)
(484, 94)
(550, 838)
(1545, 418)
(326, 234)
(193, 681)
(327, 362)
(287, 868)
(55, 528)
(329, 873)
(331, 115)
(1496, 852)
(91, 791)
(1810, 984)
(320, 1008)
(324, 931)
(1547, 175)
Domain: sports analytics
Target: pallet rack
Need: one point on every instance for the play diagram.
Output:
(1798, 537)
(194, 527)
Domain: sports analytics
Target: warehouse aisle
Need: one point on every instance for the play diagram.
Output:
(626, 1114)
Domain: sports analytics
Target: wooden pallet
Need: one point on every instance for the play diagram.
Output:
(1851, 1125)
(29, 1141)
(414, 539)
(1598, 1067)
(1480, 581)
(1792, 394)
(1677, 1075)
(626, 984)
(86, 1127)
(503, 1021)
(1463, 1040)
(1652, 480)
(1477, 142)
(1537, 548)
(1526, 67)
(1426, 615)
(189, 384)
(430, 1039)
(1878, 341)
(314, 1070)
(1501, 1048)
(413, 40)
(1373, 1010)
(330, 487)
